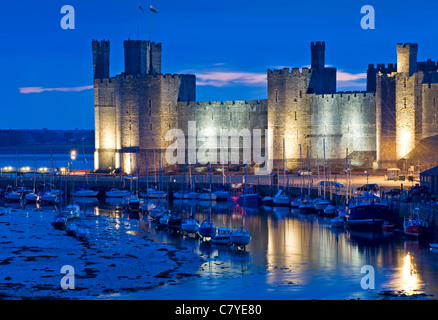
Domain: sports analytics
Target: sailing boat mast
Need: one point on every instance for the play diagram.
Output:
(323, 142)
(308, 170)
(301, 173)
(284, 167)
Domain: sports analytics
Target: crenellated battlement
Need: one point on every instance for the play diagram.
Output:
(230, 103)
(347, 95)
(100, 44)
(294, 72)
(385, 68)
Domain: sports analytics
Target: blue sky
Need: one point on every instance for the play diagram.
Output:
(228, 44)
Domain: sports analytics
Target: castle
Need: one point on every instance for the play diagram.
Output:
(378, 127)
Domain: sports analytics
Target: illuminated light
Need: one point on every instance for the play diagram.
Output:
(73, 154)
(410, 280)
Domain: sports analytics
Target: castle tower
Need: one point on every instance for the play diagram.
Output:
(105, 118)
(100, 59)
(317, 54)
(142, 57)
(407, 58)
(408, 99)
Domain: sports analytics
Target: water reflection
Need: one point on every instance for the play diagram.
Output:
(289, 252)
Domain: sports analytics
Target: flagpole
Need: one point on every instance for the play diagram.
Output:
(150, 29)
(138, 24)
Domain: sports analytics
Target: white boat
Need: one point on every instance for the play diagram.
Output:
(190, 225)
(134, 203)
(240, 238)
(337, 222)
(280, 199)
(223, 236)
(31, 197)
(321, 204)
(83, 192)
(13, 196)
(117, 193)
(330, 210)
(222, 195)
(156, 213)
(48, 197)
(182, 194)
(207, 196)
(268, 201)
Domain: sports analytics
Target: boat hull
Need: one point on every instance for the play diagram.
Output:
(305, 209)
(415, 230)
(367, 216)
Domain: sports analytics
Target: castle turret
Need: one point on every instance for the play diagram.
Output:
(142, 57)
(100, 59)
(318, 54)
(407, 58)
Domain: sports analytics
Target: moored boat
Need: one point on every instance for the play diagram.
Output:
(367, 211)
(337, 222)
(415, 225)
(190, 225)
(117, 193)
(223, 236)
(207, 228)
(240, 238)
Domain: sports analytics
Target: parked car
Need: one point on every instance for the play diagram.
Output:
(394, 192)
(369, 187)
(304, 173)
(332, 183)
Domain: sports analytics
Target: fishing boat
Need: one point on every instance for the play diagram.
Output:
(223, 236)
(367, 211)
(415, 225)
(190, 225)
(249, 197)
(117, 193)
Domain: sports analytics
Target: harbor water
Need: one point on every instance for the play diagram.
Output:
(291, 256)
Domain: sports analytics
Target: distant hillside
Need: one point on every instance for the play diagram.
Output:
(23, 141)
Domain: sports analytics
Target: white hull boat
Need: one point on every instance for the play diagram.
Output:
(13, 196)
(117, 193)
(240, 238)
(190, 226)
(31, 197)
(207, 196)
(85, 193)
(222, 195)
(48, 197)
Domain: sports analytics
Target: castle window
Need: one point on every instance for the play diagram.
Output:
(301, 94)
(276, 95)
(404, 102)
(150, 103)
(404, 83)
(295, 116)
(150, 126)
(149, 112)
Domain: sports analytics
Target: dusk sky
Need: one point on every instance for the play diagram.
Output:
(228, 45)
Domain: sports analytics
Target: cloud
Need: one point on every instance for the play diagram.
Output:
(42, 89)
(345, 79)
(226, 78)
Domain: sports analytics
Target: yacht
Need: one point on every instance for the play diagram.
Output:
(240, 238)
(117, 193)
(281, 199)
(207, 228)
(190, 225)
(84, 192)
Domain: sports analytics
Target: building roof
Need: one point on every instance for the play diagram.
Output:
(430, 172)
